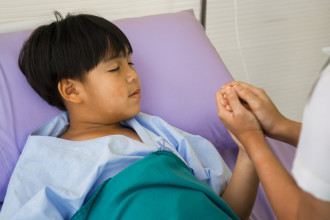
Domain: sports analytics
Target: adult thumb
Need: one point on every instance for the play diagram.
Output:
(233, 99)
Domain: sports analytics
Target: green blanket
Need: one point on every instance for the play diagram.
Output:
(159, 186)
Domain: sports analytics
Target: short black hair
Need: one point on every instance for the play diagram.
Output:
(68, 48)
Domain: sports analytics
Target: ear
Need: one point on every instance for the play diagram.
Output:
(69, 90)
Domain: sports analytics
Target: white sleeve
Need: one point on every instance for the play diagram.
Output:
(311, 164)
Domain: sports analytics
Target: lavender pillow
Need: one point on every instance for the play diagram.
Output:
(180, 72)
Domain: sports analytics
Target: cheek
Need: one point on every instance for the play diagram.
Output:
(114, 94)
(119, 90)
(119, 93)
(106, 91)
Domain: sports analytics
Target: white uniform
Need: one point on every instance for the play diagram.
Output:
(312, 162)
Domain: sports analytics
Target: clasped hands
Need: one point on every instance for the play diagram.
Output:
(248, 112)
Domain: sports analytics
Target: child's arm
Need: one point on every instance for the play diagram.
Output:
(242, 188)
(280, 187)
(272, 121)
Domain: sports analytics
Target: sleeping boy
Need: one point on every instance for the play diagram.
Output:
(102, 158)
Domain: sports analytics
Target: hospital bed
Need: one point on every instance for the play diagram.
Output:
(180, 72)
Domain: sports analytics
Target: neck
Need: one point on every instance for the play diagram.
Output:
(81, 129)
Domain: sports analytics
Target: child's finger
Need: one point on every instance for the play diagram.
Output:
(223, 92)
(222, 109)
(229, 108)
(224, 101)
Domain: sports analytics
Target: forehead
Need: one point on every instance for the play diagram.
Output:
(115, 55)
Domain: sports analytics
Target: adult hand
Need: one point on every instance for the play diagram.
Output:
(260, 104)
(239, 121)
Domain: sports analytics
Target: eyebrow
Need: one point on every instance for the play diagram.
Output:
(109, 58)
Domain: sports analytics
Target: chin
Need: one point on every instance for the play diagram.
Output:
(135, 111)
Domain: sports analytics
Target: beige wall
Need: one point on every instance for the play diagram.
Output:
(281, 44)
(280, 41)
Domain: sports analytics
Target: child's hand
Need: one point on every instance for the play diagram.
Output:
(239, 121)
(261, 106)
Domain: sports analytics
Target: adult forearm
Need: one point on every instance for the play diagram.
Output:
(280, 187)
(242, 189)
(287, 131)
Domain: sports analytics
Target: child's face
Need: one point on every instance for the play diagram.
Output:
(112, 90)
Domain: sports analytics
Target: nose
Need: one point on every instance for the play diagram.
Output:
(131, 74)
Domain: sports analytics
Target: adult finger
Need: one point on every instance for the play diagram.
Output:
(231, 84)
(247, 96)
(233, 100)
(256, 91)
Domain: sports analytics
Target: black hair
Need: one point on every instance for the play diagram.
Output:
(68, 48)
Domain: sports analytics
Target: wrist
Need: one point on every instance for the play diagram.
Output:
(280, 128)
(287, 130)
(256, 147)
(249, 139)
(244, 158)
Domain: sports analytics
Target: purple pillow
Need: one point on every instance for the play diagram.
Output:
(180, 72)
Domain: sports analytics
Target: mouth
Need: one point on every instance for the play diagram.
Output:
(136, 94)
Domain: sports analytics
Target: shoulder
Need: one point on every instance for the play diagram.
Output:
(316, 113)
(311, 160)
(54, 127)
(321, 89)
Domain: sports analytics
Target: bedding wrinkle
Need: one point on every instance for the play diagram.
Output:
(161, 186)
(95, 161)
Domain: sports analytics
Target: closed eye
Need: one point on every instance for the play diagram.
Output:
(118, 68)
(114, 70)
